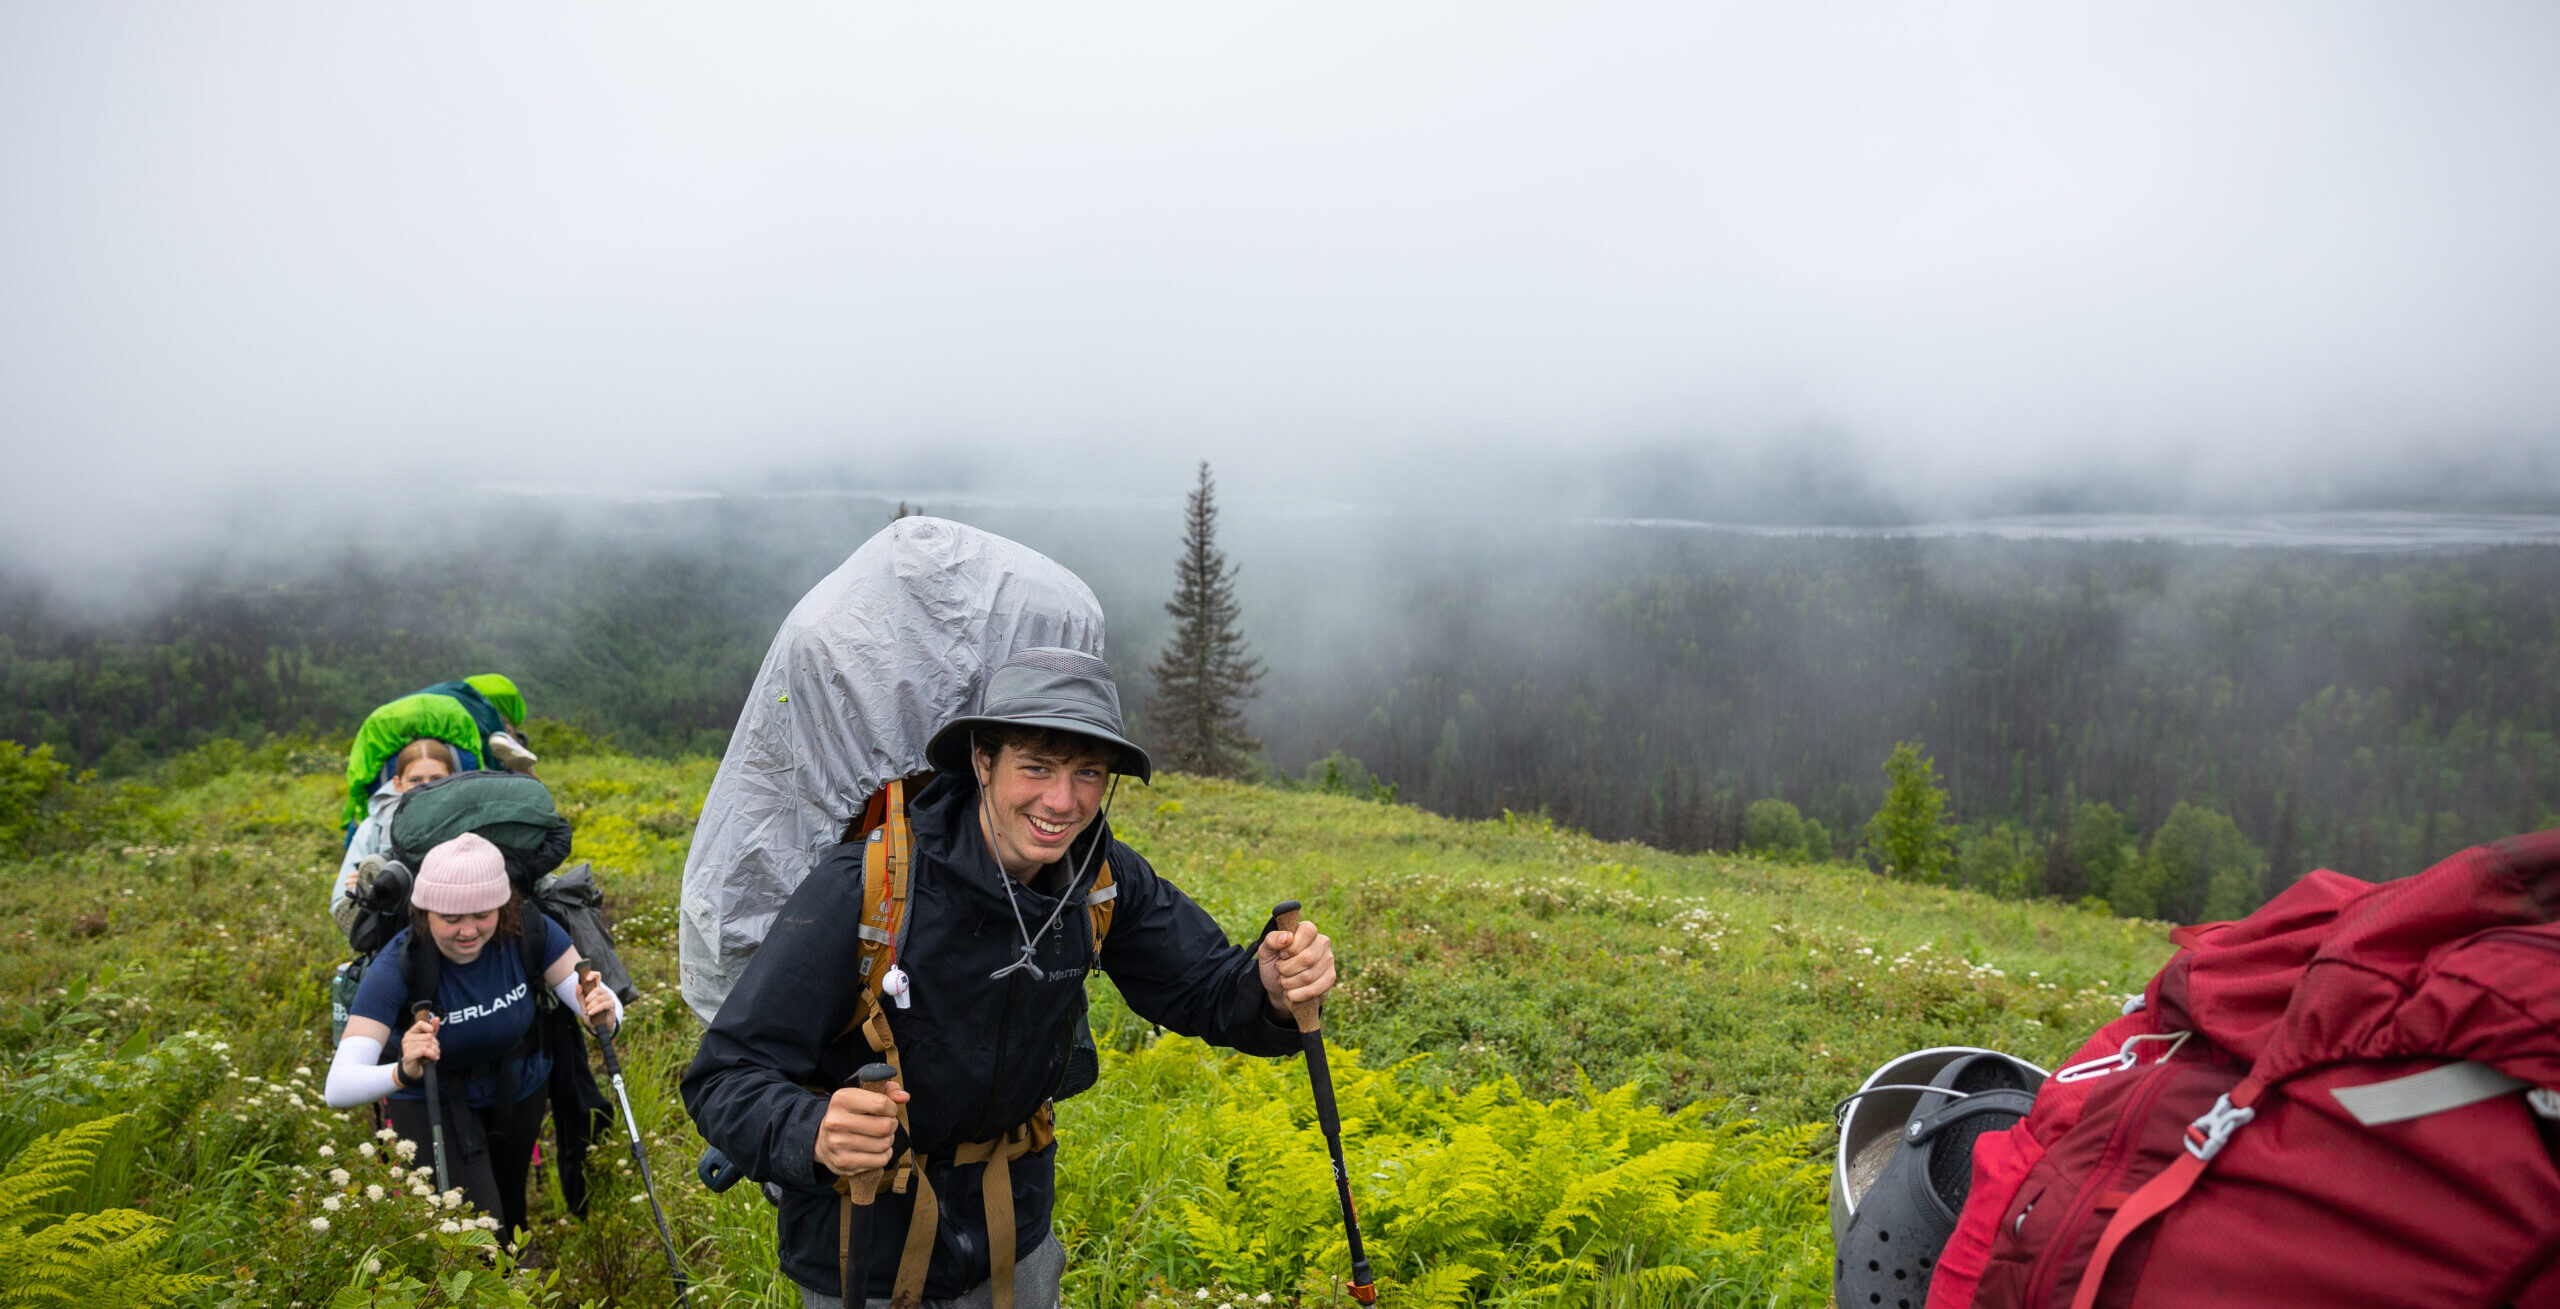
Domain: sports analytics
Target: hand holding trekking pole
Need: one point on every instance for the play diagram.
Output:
(860, 1188)
(595, 1003)
(861, 1124)
(1296, 966)
(420, 1044)
(1303, 989)
(592, 994)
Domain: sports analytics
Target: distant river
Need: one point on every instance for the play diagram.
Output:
(2382, 532)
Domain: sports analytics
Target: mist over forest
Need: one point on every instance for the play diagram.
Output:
(2367, 708)
(1647, 416)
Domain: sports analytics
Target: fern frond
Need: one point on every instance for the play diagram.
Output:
(1444, 1287)
(52, 1165)
(104, 1260)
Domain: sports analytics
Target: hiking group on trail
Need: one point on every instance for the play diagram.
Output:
(904, 874)
(477, 961)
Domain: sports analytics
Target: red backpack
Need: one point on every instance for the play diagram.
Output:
(2343, 1099)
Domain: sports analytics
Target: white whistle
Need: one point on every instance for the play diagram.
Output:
(893, 984)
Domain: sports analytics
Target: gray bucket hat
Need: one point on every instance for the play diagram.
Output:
(1044, 686)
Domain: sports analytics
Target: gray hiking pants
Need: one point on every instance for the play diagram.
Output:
(1035, 1286)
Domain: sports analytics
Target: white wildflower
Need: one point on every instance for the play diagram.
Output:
(339, 1177)
(319, 1224)
(486, 1222)
(405, 1149)
(373, 1191)
(373, 1265)
(448, 1227)
(365, 1149)
(331, 1203)
(451, 1199)
(386, 1134)
(305, 1071)
(328, 1152)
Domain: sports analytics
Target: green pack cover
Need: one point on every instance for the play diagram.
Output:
(389, 729)
(488, 702)
(500, 692)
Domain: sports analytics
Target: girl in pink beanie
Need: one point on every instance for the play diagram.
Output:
(482, 1031)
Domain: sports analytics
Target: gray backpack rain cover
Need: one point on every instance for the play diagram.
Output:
(894, 643)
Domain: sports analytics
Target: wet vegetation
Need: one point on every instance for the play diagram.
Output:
(1578, 1072)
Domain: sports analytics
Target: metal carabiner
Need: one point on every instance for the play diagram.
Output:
(2122, 1060)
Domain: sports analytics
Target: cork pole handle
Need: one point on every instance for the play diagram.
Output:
(862, 1186)
(1307, 1012)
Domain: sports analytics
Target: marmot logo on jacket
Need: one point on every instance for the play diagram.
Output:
(470, 1011)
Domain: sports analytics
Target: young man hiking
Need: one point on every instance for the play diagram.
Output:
(981, 1005)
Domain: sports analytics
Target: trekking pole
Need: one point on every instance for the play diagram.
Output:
(1311, 1034)
(435, 1107)
(859, 1189)
(639, 1152)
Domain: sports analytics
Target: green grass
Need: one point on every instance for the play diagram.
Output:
(1508, 985)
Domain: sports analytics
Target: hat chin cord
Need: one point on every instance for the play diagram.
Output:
(1075, 884)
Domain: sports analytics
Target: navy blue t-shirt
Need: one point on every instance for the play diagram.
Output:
(488, 1005)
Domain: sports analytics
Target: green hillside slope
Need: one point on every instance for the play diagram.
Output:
(1575, 1072)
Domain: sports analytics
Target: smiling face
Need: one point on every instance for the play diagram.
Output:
(461, 937)
(1039, 799)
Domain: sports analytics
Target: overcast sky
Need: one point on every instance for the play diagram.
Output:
(259, 253)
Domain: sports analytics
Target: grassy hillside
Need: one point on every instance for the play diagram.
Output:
(1575, 1072)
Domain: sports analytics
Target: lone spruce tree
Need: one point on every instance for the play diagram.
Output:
(1204, 676)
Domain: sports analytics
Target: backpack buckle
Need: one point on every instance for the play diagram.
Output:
(2207, 1135)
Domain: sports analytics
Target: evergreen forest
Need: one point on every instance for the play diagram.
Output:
(2225, 718)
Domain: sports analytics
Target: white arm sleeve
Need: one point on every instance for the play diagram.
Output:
(567, 990)
(354, 1076)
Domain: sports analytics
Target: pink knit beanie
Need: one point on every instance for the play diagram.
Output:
(465, 875)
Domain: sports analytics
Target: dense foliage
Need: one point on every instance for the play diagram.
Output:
(1575, 1073)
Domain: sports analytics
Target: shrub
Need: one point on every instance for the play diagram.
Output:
(1774, 830)
(2198, 867)
(31, 787)
(1342, 774)
(1911, 834)
(557, 740)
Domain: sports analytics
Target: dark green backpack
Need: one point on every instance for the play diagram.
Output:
(512, 811)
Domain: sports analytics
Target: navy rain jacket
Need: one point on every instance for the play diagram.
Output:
(980, 1055)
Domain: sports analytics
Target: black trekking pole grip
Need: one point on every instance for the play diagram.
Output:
(1362, 1285)
(435, 1105)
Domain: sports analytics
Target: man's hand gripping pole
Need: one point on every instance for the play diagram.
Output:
(1311, 1034)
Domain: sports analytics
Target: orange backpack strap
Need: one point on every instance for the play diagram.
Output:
(887, 863)
(1100, 901)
